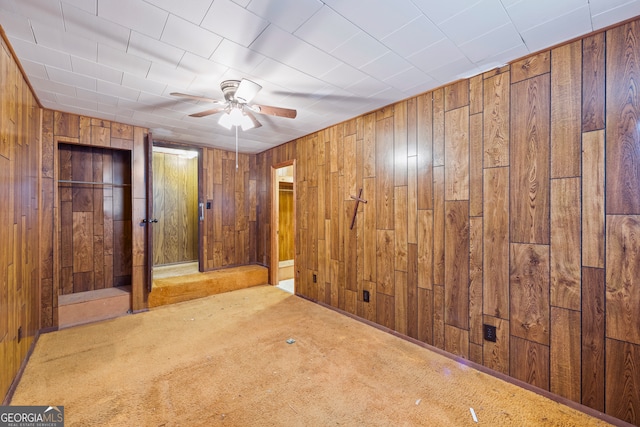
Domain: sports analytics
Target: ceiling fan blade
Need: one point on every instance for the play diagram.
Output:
(274, 111)
(256, 123)
(197, 98)
(247, 90)
(207, 112)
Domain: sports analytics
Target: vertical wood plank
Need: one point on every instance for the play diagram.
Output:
(350, 253)
(623, 371)
(495, 355)
(438, 316)
(457, 264)
(385, 262)
(456, 341)
(566, 109)
(475, 165)
(496, 120)
(475, 94)
(369, 146)
(456, 95)
(438, 127)
(529, 362)
(370, 238)
(336, 215)
(368, 310)
(623, 114)
(565, 245)
(425, 316)
(413, 307)
(351, 302)
(385, 310)
(400, 302)
(425, 151)
(400, 143)
(412, 127)
(565, 353)
(475, 353)
(529, 161)
(425, 249)
(593, 83)
(623, 281)
(496, 242)
(531, 66)
(401, 227)
(593, 331)
(82, 242)
(457, 154)
(350, 172)
(384, 173)
(529, 283)
(593, 216)
(438, 225)
(475, 280)
(412, 200)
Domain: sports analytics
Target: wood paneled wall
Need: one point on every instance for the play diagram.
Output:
(72, 129)
(486, 205)
(175, 206)
(228, 233)
(20, 119)
(95, 219)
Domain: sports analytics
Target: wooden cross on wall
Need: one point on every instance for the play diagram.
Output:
(358, 199)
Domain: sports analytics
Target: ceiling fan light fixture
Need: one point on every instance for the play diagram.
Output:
(226, 121)
(247, 90)
(236, 117)
(246, 122)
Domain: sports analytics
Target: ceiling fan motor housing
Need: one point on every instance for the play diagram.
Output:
(229, 88)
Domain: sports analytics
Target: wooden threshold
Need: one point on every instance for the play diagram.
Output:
(92, 306)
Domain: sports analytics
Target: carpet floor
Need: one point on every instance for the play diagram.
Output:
(225, 360)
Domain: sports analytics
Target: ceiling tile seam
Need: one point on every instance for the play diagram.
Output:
(422, 14)
(363, 31)
(460, 12)
(590, 14)
(556, 18)
(410, 22)
(515, 26)
(486, 33)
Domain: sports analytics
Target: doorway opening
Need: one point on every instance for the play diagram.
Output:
(283, 223)
(175, 208)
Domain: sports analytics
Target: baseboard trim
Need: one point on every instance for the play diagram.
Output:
(16, 380)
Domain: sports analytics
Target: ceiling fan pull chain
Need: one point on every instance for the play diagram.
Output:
(236, 147)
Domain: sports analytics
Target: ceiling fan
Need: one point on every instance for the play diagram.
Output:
(237, 107)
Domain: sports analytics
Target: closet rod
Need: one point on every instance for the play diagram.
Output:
(66, 181)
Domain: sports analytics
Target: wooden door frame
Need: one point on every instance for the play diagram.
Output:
(275, 217)
(200, 191)
(56, 210)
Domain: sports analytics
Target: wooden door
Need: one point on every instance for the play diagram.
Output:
(149, 217)
(275, 217)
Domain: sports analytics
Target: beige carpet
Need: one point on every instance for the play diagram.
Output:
(225, 360)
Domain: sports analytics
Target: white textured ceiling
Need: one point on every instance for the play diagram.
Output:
(331, 60)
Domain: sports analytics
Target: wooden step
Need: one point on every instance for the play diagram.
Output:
(91, 306)
(286, 270)
(170, 290)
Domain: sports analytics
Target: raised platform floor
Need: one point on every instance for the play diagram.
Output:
(170, 290)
